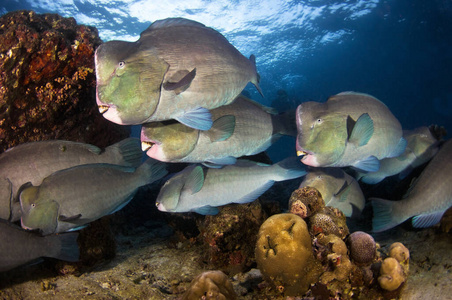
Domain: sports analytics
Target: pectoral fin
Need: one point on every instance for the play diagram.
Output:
(198, 118)
(180, 81)
(222, 129)
(220, 162)
(195, 180)
(361, 131)
(343, 192)
(370, 164)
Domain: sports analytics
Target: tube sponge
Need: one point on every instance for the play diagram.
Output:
(284, 254)
(210, 285)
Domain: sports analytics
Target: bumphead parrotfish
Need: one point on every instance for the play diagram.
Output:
(338, 189)
(70, 198)
(426, 201)
(421, 147)
(19, 246)
(201, 190)
(243, 127)
(350, 129)
(178, 69)
(32, 162)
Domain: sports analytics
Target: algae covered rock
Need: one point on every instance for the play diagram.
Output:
(329, 220)
(284, 254)
(391, 274)
(306, 201)
(48, 83)
(213, 285)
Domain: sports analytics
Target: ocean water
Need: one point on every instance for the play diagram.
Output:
(395, 50)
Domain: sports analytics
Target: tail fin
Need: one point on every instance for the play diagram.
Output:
(384, 216)
(256, 80)
(129, 150)
(289, 168)
(284, 123)
(152, 170)
(64, 246)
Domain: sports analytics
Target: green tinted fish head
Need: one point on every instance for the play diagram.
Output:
(321, 136)
(37, 214)
(421, 141)
(168, 141)
(128, 81)
(169, 195)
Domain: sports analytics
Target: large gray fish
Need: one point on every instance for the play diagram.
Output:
(70, 198)
(421, 147)
(243, 127)
(19, 246)
(32, 162)
(338, 189)
(427, 199)
(350, 129)
(178, 69)
(202, 190)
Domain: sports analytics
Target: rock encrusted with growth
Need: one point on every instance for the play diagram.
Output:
(210, 285)
(47, 82)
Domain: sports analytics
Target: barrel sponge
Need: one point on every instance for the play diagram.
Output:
(210, 285)
(284, 254)
(391, 274)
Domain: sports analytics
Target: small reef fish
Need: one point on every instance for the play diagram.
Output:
(427, 200)
(32, 162)
(338, 189)
(20, 246)
(421, 147)
(178, 69)
(243, 127)
(70, 198)
(350, 129)
(201, 190)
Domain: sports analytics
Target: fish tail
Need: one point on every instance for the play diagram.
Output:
(151, 170)
(384, 214)
(129, 150)
(255, 80)
(284, 123)
(65, 246)
(289, 168)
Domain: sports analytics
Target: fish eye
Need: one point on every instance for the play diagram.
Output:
(33, 205)
(122, 64)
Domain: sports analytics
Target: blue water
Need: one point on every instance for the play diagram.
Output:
(398, 50)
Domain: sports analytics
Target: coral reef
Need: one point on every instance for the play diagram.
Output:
(305, 202)
(47, 82)
(230, 236)
(329, 220)
(210, 285)
(391, 274)
(284, 254)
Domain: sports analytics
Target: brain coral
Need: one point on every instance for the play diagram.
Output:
(284, 254)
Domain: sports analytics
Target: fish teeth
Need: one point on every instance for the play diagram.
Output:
(145, 146)
(301, 153)
(103, 108)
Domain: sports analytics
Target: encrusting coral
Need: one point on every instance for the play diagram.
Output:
(214, 285)
(284, 254)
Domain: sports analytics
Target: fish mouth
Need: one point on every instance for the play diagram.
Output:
(146, 145)
(103, 108)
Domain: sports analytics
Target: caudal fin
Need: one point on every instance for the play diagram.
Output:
(284, 123)
(384, 215)
(129, 151)
(152, 170)
(64, 246)
(289, 168)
